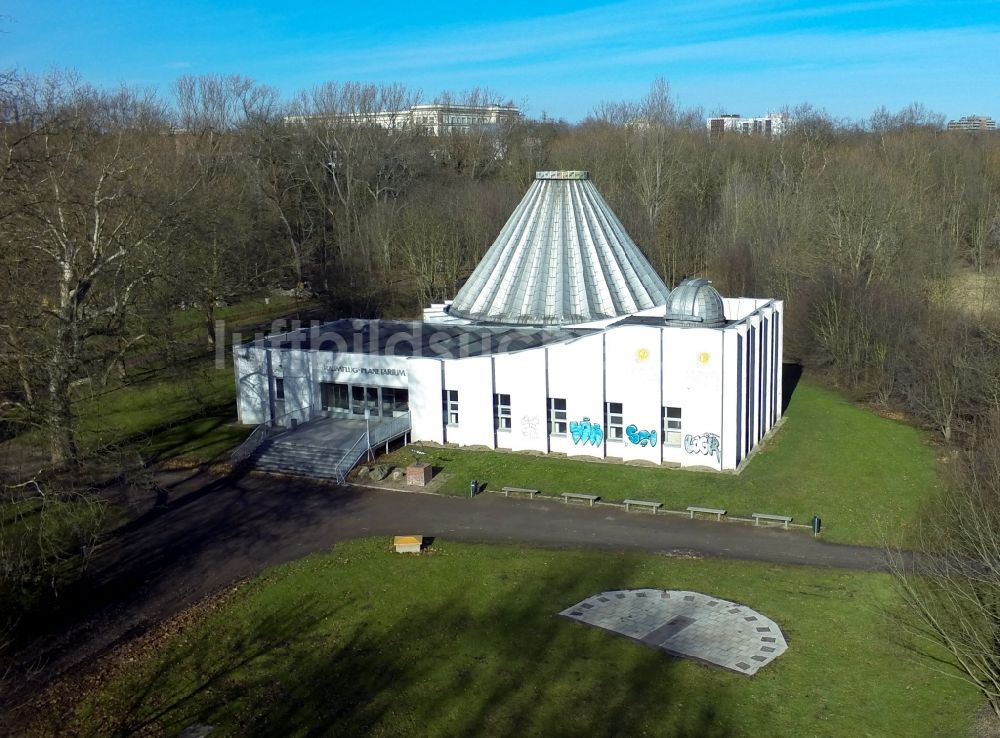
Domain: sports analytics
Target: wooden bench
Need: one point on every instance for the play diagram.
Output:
(408, 544)
(567, 496)
(519, 490)
(757, 517)
(654, 506)
(707, 510)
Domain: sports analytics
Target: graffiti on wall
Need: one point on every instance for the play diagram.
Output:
(529, 426)
(586, 432)
(707, 444)
(640, 437)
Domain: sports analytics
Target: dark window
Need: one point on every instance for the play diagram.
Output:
(364, 398)
(671, 426)
(279, 388)
(557, 416)
(395, 401)
(449, 402)
(501, 412)
(335, 396)
(614, 421)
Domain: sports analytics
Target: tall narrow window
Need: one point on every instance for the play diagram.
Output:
(501, 412)
(449, 402)
(614, 421)
(279, 388)
(557, 416)
(671, 426)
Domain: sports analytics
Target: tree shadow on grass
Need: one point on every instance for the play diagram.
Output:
(488, 658)
(200, 541)
(189, 436)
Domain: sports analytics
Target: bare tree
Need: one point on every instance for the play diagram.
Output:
(951, 588)
(86, 230)
(219, 118)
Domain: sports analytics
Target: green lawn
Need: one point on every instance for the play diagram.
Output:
(862, 474)
(465, 641)
(187, 412)
(241, 314)
(192, 416)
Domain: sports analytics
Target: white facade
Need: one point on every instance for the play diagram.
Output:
(435, 119)
(973, 123)
(772, 124)
(640, 389)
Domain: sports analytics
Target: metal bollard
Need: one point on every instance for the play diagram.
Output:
(473, 488)
(817, 525)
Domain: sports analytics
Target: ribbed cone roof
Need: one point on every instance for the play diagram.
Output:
(562, 258)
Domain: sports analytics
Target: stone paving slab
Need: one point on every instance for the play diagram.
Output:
(688, 624)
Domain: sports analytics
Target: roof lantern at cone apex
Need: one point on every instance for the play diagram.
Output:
(563, 258)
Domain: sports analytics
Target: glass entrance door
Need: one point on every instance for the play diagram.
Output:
(335, 397)
(363, 398)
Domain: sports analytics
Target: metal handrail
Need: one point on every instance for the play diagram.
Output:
(342, 475)
(385, 431)
(266, 430)
(245, 450)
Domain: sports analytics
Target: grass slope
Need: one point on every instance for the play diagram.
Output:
(192, 416)
(186, 411)
(465, 641)
(861, 473)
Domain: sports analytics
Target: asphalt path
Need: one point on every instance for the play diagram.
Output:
(205, 533)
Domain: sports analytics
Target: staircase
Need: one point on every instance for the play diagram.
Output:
(286, 455)
(322, 448)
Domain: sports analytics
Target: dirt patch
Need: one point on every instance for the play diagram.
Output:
(986, 724)
(47, 713)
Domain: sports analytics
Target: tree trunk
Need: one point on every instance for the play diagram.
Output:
(62, 439)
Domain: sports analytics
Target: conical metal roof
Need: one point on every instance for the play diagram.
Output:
(562, 258)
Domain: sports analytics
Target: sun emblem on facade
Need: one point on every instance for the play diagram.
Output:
(703, 358)
(642, 354)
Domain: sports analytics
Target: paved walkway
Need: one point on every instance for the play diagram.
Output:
(212, 532)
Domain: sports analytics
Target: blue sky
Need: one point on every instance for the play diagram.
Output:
(559, 58)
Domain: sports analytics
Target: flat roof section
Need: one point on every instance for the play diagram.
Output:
(418, 339)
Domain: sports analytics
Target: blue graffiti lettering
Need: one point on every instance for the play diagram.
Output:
(586, 432)
(640, 438)
(708, 444)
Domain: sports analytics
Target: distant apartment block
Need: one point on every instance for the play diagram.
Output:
(435, 119)
(973, 123)
(772, 124)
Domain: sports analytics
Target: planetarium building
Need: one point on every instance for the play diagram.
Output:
(563, 340)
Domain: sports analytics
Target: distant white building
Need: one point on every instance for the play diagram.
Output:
(563, 340)
(435, 119)
(973, 123)
(772, 124)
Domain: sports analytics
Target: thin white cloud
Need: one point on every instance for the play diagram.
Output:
(596, 30)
